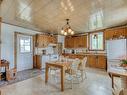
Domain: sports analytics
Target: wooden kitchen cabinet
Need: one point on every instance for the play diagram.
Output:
(101, 62)
(76, 42)
(115, 33)
(43, 40)
(91, 61)
(38, 62)
(52, 39)
(84, 41)
(69, 42)
(97, 61)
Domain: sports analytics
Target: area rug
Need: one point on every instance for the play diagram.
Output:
(23, 75)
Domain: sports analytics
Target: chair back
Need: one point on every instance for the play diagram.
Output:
(75, 64)
(84, 61)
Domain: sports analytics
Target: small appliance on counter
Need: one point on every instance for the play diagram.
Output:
(43, 52)
(73, 51)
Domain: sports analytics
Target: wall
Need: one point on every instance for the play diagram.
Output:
(61, 39)
(7, 45)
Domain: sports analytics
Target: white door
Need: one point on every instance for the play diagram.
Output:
(24, 52)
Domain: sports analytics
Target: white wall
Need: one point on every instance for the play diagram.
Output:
(7, 37)
(61, 39)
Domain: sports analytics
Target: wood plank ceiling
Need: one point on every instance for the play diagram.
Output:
(49, 15)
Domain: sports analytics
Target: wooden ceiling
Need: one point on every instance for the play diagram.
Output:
(49, 15)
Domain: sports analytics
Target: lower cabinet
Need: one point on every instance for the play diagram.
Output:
(37, 62)
(91, 60)
(101, 62)
(97, 61)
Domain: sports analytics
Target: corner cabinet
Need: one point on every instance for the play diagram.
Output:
(76, 41)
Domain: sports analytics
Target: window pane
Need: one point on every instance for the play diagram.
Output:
(21, 42)
(27, 48)
(25, 44)
(22, 49)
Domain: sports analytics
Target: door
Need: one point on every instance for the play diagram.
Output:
(24, 52)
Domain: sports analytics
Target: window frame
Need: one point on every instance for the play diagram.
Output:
(90, 40)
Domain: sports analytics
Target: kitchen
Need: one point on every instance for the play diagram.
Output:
(79, 46)
(68, 47)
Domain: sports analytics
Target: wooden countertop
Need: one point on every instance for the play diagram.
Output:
(83, 54)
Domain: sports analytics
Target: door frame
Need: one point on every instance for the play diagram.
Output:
(0, 38)
(15, 46)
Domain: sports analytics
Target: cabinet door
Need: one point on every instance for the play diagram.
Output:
(38, 62)
(80, 42)
(71, 42)
(76, 42)
(45, 40)
(54, 39)
(65, 42)
(92, 61)
(109, 34)
(120, 32)
(101, 62)
(40, 40)
(84, 41)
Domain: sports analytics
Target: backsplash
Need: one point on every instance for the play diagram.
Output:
(78, 50)
(81, 50)
(48, 50)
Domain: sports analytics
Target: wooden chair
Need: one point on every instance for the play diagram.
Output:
(71, 74)
(82, 68)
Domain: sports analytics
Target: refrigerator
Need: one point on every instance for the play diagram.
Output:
(116, 49)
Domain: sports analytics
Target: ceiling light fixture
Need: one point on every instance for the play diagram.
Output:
(66, 29)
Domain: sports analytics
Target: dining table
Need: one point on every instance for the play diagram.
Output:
(60, 65)
(117, 71)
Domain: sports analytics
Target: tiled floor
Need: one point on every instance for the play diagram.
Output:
(97, 83)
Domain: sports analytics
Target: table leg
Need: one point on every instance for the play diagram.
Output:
(112, 77)
(62, 79)
(46, 73)
(7, 73)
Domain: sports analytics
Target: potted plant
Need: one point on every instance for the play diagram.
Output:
(124, 62)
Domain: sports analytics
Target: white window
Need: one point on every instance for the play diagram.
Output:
(96, 41)
(25, 44)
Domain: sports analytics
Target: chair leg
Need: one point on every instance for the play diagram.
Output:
(82, 75)
(72, 84)
(85, 74)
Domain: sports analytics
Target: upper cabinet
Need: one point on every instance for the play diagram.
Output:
(115, 33)
(69, 42)
(76, 42)
(44, 40)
